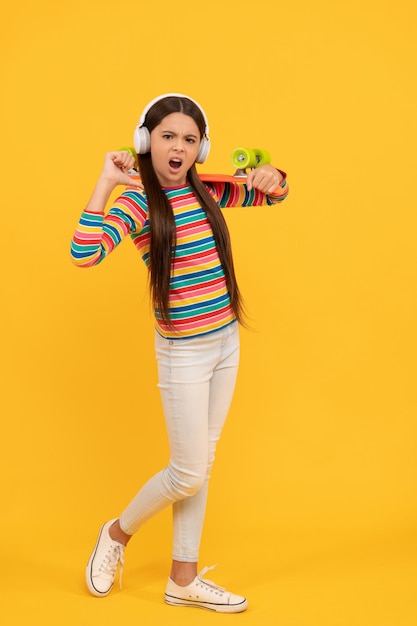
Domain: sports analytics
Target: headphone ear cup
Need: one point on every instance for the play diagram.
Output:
(203, 150)
(142, 140)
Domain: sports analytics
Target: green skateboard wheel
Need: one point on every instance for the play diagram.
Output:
(243, 158)
(131, 151)
(262, 157)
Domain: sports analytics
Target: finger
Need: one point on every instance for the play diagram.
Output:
(121, 155)
(273, 188)
(124, 162)
(257, 180)
(135, 182)
(266, 181)
(129, 157)
(249, 179)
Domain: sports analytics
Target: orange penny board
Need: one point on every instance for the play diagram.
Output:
(222, 178)
(216, 178)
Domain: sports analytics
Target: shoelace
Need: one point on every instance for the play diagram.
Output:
(210, 583)
(108, 567)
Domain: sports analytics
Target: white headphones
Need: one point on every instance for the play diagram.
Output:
(142, 136)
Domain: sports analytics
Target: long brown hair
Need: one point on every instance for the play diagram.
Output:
(162, 222)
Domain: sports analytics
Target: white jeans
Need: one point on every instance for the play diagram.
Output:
(196, 378)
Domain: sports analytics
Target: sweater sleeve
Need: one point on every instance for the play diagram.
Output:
(237, 195)
(97, 235)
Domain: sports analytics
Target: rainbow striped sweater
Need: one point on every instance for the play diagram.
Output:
(199, 300)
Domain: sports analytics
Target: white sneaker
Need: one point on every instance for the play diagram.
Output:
(204, 594)
(103, 563)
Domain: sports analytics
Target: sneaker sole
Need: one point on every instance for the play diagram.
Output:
(210, 606)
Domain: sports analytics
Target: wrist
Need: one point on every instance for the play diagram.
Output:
(101, 194)
(106, 183)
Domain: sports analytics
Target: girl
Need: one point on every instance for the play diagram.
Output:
(175, 222)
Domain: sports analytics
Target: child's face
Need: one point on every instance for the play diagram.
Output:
(174, 147)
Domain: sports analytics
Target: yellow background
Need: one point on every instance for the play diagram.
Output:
(312, 509)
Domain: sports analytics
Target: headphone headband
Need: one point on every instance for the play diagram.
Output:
(173, 95)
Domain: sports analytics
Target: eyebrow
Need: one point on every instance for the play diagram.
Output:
(171, 132)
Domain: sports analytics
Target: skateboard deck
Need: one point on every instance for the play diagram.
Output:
(207, 178)
(239, 179)
(242, 158)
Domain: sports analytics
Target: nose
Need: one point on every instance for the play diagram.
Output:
(179, 144)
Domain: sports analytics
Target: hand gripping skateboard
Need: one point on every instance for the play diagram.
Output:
(242, 159)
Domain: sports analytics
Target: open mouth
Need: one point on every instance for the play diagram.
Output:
(175, 164)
